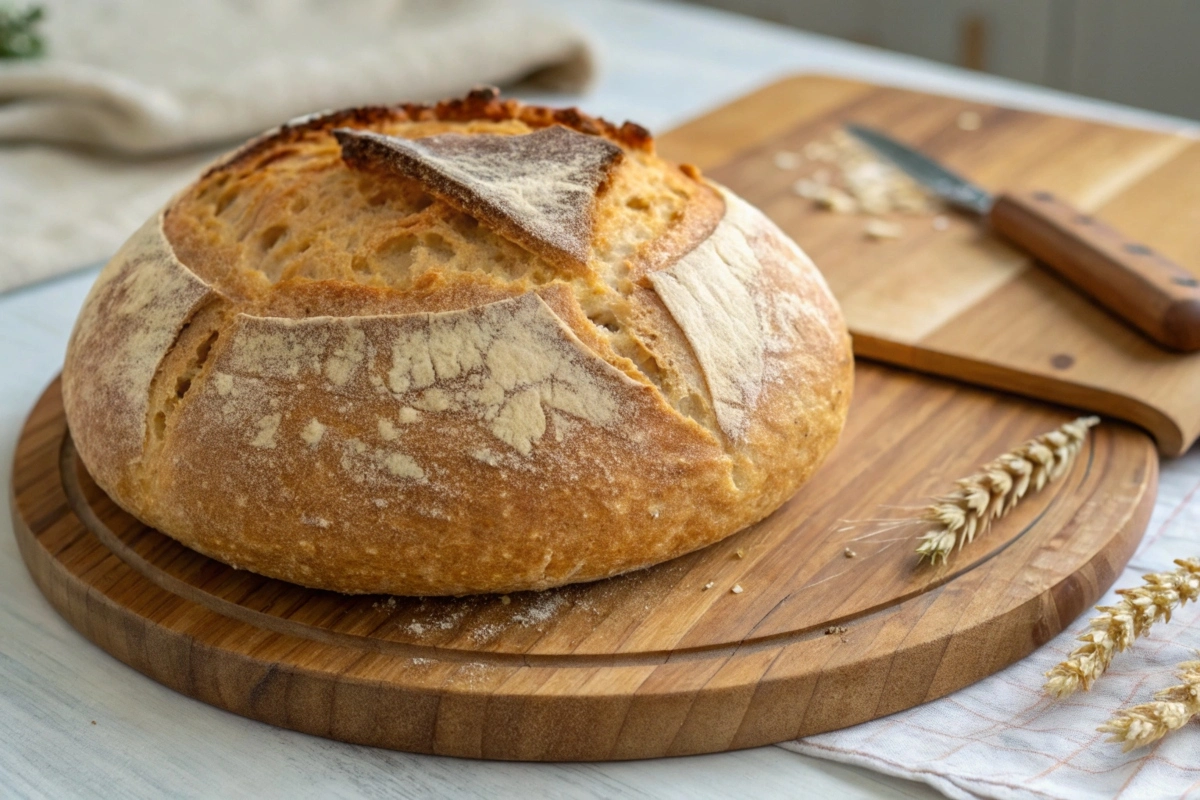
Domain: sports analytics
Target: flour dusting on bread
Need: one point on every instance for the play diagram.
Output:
(471, 347)
(711, 293)
(538, 188)
(507, 366)
(130, 320)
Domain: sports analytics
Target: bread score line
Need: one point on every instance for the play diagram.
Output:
(498, 446)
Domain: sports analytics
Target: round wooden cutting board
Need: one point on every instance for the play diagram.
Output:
(666, 661)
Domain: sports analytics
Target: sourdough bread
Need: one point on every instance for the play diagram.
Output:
(470, 347)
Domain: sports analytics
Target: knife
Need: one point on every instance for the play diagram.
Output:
(1142, 287)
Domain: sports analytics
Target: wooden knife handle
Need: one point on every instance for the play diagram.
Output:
(1146, 289)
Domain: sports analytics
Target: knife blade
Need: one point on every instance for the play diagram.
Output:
(1137, 284)
(956, 190)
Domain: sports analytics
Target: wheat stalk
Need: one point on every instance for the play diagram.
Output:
(998, 486)
(1172, 709)
(1118, 626)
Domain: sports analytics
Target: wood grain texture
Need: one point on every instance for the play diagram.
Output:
(647, 664)
(1130, 279)
(962, 302)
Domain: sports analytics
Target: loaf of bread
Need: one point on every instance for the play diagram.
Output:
(440, 350)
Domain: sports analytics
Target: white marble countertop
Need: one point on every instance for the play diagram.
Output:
(76, 722)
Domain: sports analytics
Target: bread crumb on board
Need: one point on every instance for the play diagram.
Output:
(835, 630)
(737, 588)
(837, 201)
(389, 604)
(709, 585)
(785, 159)
(883, 229)
(857, 182)
(741, 552)
(543, 607)
(848, 553)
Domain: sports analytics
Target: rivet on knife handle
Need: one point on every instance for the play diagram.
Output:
(1137, 284)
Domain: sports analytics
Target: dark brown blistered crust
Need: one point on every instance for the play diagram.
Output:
(482, 103)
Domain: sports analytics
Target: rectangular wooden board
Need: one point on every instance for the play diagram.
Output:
(960, 302)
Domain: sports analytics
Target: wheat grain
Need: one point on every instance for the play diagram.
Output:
(1172, 709)
(957, 518)
(1116, 628)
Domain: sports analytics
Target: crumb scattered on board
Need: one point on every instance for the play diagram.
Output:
(835, 630)
(847, 178)
(848, 553)
(709, 585)
(884, 229)
(786, 159)
(737, 588)
(541, 610)
(741, 553)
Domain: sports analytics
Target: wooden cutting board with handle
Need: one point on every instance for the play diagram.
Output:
(797, 625)
(960, 302)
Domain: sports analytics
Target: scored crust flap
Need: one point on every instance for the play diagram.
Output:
(131, 318)
(538, 189)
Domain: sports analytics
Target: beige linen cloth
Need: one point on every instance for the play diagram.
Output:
(134, 96)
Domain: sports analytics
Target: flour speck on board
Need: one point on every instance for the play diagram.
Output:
(486, 633)
(541, 610)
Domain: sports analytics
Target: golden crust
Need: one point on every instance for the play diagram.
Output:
(475, 420)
